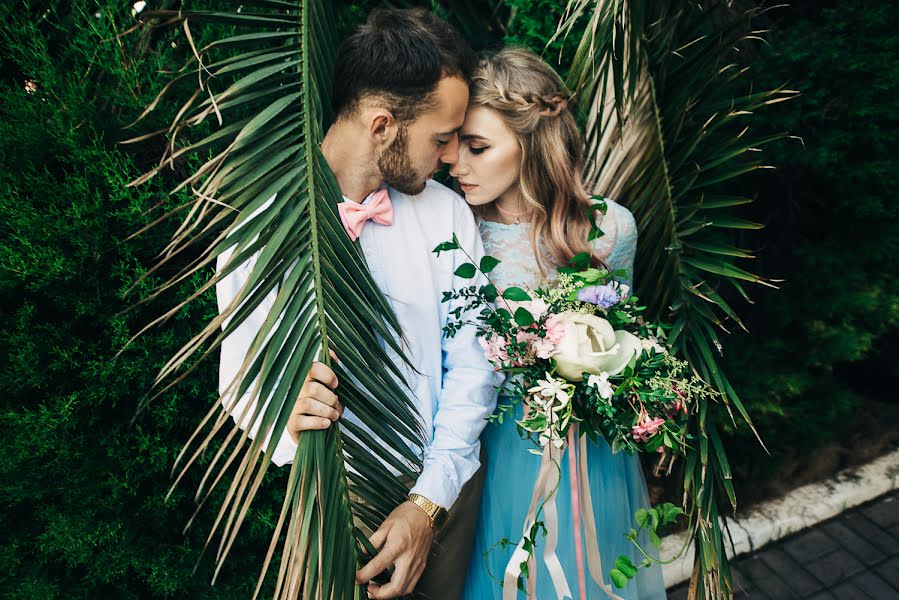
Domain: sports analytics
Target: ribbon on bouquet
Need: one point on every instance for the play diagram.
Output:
(584, 517)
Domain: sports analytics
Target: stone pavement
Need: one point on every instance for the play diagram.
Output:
(854, 556)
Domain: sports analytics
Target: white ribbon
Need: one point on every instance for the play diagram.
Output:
(545, 487)
(547, 481)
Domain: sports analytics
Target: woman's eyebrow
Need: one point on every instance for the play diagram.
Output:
(472, 136)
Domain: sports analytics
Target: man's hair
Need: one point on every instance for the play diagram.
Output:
(399, 56)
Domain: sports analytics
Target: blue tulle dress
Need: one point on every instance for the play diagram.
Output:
(616, 480)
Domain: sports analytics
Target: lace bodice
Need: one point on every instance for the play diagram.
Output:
(511, 244)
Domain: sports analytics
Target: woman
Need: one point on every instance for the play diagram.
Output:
(519, 167)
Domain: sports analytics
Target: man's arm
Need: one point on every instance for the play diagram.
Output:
(317, 405)
(467, 397)
(468, 393)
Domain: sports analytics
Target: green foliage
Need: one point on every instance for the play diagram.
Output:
(532, 24)
(818, 366)
(82, 490)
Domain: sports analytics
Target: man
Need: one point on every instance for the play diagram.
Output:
(400, 92)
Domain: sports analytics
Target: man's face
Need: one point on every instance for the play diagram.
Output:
(418, 149)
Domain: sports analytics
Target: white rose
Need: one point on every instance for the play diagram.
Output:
(590, 345)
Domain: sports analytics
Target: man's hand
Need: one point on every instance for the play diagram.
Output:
(403, 540)
(317, 406)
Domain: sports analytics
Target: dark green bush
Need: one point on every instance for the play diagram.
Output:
(82, 490)
(818, 368)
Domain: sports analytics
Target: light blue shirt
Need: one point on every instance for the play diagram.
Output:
(454, 386)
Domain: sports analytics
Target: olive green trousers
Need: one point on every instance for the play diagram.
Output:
(444, 575)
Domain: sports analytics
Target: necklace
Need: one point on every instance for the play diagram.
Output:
(508, 213)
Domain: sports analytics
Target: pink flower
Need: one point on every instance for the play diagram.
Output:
(646, 429)
(544, 348)
(495, 349)
(555, 329)
(525, 336)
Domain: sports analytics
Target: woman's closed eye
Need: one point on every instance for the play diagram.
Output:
(478, 149)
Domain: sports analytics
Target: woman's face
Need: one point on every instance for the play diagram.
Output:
(489, 157)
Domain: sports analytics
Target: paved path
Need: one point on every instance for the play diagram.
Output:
(854, 556)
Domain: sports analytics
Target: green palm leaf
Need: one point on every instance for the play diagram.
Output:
(665, 133)
(266, 198)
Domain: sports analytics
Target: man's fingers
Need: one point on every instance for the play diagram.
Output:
(299, 423)
(313, 408)
(334, 356)
(375, 566)
(377, 539)
(398, 585)
(323, 373)
(317, 391)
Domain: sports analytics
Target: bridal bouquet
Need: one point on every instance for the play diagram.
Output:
(583, 363)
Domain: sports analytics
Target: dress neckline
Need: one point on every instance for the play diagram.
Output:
(498, 224)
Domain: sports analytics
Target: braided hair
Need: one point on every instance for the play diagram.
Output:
(532, 101)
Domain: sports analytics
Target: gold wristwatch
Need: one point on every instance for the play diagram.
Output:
(435, 512)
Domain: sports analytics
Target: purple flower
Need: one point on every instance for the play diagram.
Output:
(602, 296)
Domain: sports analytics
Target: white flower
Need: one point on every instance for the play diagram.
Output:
(653, 344)
(30, 86)
(551, 388)
(138, 7)
(602, 385)
(590, 345)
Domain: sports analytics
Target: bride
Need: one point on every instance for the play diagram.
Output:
(519, 168)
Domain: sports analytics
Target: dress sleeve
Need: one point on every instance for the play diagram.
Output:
(625, 245)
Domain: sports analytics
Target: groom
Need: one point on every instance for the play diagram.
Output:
(400, 91)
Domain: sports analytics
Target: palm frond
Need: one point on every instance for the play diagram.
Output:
(666, 132)
(266, 201)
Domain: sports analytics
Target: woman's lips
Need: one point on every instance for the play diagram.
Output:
(467, 187)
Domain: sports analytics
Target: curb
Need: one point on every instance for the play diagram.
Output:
(803, 507)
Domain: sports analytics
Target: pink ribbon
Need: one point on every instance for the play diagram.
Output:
(576, 511)
(354, 215)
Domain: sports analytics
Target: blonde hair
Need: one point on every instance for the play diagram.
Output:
(532, 101)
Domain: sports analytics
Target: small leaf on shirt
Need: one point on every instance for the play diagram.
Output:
(466, 271)
(445, 246)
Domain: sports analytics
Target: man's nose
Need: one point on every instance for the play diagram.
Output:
(458, 168)
(450, 154)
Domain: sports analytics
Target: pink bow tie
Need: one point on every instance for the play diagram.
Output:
(354, 215)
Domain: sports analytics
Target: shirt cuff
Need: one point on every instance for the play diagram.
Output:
(285, 451)
(443, 476)
(437, 485)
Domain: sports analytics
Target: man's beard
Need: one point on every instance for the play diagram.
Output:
(396, 166)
